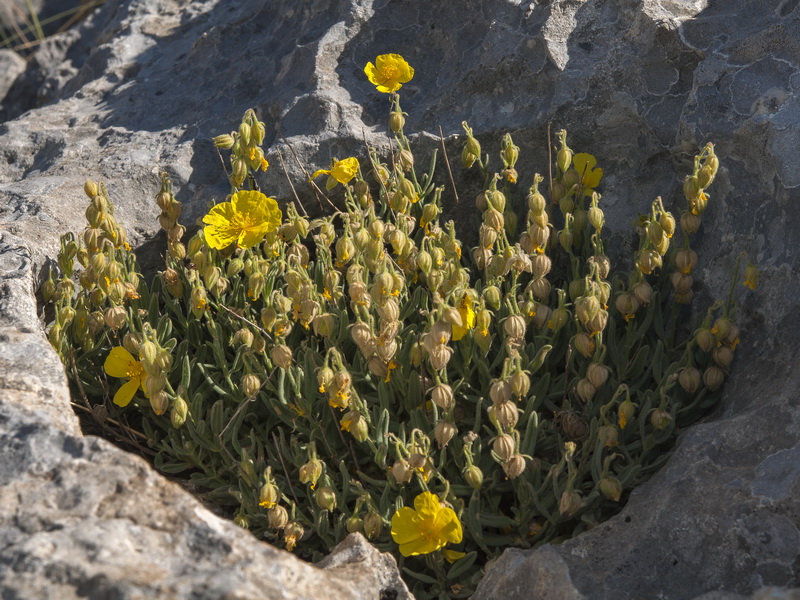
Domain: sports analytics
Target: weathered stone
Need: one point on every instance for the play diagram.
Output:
(11, 65)
(145, 84)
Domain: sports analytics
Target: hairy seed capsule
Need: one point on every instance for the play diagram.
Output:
(444, 432)
(514, 466)
(474, 477)
(584, 344)
(713, 377)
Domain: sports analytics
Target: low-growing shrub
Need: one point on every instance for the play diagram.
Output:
(323, 376)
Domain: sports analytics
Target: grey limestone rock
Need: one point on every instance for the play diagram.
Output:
(642, 84)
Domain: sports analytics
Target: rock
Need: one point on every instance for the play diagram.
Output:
(642, 84)
(11, 65)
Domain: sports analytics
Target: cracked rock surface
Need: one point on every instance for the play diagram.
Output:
(143, 85)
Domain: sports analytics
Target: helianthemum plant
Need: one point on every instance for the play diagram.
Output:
(322, 376)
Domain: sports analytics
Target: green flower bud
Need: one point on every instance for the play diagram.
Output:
(660, 419)
(474, 477)
(373, 524)
(611, 488)
(325, 498)
(179, 413)
(354, 524)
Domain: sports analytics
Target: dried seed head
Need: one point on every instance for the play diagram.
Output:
(251, 384)
(506, 414)
(514, 327)
(373, 525)
(611, 488)
(278, 517)
(584, 344)
(570, 503)
(660, 419)
(597, 374)
(401, 471)
(586, 390)
(442, 396)
(444, 432)
(282, 356)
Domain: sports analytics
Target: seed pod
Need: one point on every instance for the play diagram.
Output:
(494, 219)
(596, 217)
(667, 223)
(649, 260)
(540, 288)
(689, 379)
(564, 158)
(396, 121)
(504, 446)
(514, 466)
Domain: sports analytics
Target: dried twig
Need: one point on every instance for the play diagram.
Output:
(291, 185)
(447, 163)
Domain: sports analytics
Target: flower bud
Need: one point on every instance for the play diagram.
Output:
(649, 260)
(291, 533)
(596, 217)
(325, 498)
(660, 419)
(514, 327)
(691, 187)
(705, 339)
(373, 525)
(277, 517)
(625, 413)
(520, 384)
(354, 524)
(474, 476)
(514, 466)
(685, 260)
(690, 222)
(444, 432)
(159, 402)
(586, 390)
(224, 141)
(179, 413)
(608, 435)
(401, 471)
(569, 503)
(269, 495)
(282, 356)
(611, 488)
(584, 344)
(251, 384)
(597, 374)
(723, 356)
(689, 379)
(504, 446)
(396, 121)
(442, 396)
(504, 414)
(115, 317)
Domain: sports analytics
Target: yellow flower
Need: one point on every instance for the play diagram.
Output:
(341, 171)
(467, 318)
(389, 72)
(454, 555)
(245, 220)
(426, 527)
(120, 363)
(584, 165)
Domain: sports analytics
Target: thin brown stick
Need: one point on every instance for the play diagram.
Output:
(246, 320)
(316, 188)
(447, 163)
(291, 185)
(550, 161)
(285, 470)
(372, 162)
(114, 422)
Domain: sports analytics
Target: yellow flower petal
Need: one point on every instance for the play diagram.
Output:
(389, 72)
(453, 555)
(245, 219)
(319, 172)
(403, 528)
(344, 170)
(584, 164)
(126, 393)
(119, 362)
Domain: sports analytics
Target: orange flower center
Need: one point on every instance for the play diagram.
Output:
(135, 370)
